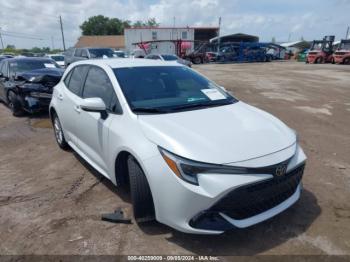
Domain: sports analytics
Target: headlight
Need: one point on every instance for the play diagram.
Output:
(35, 79)
(188, 169)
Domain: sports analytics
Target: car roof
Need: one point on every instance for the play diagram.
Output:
(126, 62)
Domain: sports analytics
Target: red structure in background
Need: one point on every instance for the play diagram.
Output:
(180, 45)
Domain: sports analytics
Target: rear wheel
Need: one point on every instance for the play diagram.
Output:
(197, 60)
(57, 127)
(14, 104)
(141, 196)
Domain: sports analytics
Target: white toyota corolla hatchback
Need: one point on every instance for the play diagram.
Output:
(195, 157)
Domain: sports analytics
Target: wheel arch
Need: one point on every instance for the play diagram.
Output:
(121, 174)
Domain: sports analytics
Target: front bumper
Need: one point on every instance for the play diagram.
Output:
(199, 210)
(36, 103)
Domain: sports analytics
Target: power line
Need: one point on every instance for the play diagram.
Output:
(24, 37)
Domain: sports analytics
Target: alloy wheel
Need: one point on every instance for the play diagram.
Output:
(58, 130)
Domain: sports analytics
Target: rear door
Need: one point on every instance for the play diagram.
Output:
(69, 99)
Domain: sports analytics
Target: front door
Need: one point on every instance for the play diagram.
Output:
(93, 138)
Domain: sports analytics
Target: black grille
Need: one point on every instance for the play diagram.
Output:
(253, 199)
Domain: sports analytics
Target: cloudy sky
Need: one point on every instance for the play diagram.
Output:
(31, 23)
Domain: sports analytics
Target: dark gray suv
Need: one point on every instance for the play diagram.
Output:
(77, 54)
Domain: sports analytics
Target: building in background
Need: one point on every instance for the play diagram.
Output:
(108, 41)
(160, 40)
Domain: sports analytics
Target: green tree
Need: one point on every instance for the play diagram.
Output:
(102, 25)
(151, 22)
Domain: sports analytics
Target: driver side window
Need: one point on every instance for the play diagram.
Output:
(98, 84)
(3, 69)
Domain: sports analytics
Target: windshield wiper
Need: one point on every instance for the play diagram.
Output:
(200, 105)
(149, 110)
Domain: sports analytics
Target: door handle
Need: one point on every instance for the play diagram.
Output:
(60, 97)
(77, 109)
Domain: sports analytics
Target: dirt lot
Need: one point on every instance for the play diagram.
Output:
(51, 201)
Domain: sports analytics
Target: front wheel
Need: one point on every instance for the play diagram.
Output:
(141, 196)
(57, 127)
(14, 104)
(319, 60)
(347, 61)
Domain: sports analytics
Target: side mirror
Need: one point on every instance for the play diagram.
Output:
(223, 88)
(94, 104)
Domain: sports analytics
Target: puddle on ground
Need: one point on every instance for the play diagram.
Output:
(41, 123)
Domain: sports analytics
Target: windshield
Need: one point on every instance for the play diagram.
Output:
(170, 57)
(120, 54)
(21, 66)
(100, 52)
(165, 89)
(316, 46)
(57, 58)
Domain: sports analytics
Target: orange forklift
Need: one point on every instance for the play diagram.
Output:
(321, 51)
(342, 54)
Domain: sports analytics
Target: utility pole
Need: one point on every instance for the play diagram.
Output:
(218, 49)
(347, 33)
(2, 42)
(52, 43)
(64, 44)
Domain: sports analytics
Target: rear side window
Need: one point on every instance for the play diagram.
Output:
(66, 80)
(78, 52)
(97, 84)
(77, 78)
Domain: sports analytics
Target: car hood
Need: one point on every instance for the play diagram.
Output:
(41, 79)
(220, 135)
(51, 72)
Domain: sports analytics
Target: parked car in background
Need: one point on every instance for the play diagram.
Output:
(26, 83)
(120, 54)
(342, 54)
(169, 58)
(195, 158)
(58, 58)
(77, 54)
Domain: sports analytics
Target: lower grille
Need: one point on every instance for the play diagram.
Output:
(253, 199)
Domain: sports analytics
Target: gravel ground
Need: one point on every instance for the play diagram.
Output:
(51, 200)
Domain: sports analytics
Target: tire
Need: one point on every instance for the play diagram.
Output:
(333, 61)
(347, 61)
(319, 60)
(58, 131)
(14, 104)
(197, 60)
(141, 196)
